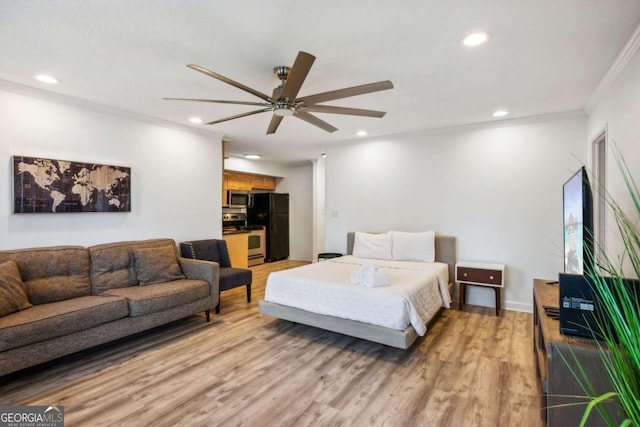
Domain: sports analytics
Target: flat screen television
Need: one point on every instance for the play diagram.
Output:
(577, 210)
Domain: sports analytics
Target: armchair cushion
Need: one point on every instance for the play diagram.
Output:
(232, 277)
(208, 250)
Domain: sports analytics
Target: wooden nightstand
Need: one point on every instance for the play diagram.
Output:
(480, 274)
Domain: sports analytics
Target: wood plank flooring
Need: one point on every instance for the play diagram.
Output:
(245, 369)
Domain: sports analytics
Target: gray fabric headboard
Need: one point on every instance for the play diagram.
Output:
(445, 251)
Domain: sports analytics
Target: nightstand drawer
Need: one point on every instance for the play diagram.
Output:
(478, 275)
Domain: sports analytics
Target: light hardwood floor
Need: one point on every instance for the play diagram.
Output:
(245, 369)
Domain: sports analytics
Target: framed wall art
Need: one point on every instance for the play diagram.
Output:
(54, 186)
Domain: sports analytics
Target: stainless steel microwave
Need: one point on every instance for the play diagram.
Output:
(239, 199)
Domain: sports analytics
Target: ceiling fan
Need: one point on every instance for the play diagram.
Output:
(284, 101)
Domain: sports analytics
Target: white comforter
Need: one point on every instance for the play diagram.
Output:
(417, 292)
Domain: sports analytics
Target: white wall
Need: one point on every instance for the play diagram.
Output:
(319, 197)
(297, 180)
(618, 111)
(176, 174)
(497, 188)
(299, 184)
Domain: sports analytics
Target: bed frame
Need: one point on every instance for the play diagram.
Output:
(445, 252)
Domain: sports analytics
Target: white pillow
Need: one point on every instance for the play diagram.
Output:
(367, 245)
(414, 246)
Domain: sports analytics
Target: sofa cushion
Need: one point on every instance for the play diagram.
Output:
(113, 266)
(156, 265)
(46, 321)
(13, 295)
(52, 273)
(161, 296)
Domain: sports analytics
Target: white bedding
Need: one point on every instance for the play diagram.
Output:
(417, 292)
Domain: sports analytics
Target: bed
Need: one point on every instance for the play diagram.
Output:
(318, 295)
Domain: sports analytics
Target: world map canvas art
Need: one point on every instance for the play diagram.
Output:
(46, 185)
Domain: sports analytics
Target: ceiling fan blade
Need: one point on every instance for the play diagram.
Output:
(229, 81)
(296, 76)
(314, 121)
(237, 116)
(262, 104)
(273, 125)
(345, 93)
(342, 110)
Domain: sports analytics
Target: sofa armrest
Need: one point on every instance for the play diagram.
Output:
(208, 271)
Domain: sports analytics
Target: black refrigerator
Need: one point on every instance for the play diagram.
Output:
(272, 211)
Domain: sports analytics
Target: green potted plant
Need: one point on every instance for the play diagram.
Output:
(621, 307)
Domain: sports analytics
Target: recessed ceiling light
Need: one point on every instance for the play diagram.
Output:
(45, 79)
(475, 39)
(195, 120)
(500, 113)
(252, 156)
(324, 155)
(361, 133)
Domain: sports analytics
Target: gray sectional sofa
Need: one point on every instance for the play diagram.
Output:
(59, 300)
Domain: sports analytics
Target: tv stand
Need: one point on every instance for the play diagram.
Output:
(554, 354)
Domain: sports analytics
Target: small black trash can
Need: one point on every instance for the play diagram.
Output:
(328, 255)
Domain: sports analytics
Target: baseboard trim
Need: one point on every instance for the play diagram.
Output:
(507, 305)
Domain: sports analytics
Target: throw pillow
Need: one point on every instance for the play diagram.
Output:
(156, 265)
(13, 294)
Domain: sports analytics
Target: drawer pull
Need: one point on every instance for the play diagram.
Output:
(465, 274)
(491, 277)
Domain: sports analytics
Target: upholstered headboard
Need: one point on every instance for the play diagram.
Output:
(445, 250)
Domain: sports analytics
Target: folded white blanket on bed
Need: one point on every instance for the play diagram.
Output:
(370, 277)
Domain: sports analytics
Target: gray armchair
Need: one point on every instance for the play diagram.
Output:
(216, 250)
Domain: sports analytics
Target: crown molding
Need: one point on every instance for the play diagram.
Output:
(101, 108)
(616, 68)
(490, 124)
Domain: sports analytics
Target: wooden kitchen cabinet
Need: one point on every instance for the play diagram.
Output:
(238, 246)
(225, 188)
(247, 182)
(263, 183)
(238, 181)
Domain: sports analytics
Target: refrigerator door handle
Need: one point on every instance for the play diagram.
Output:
(250, 201)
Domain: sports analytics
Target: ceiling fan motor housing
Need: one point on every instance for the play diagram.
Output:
(282, 72)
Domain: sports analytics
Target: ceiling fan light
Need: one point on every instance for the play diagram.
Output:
(284, 112)
(283, 109)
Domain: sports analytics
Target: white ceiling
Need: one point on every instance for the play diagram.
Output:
(544, 56)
